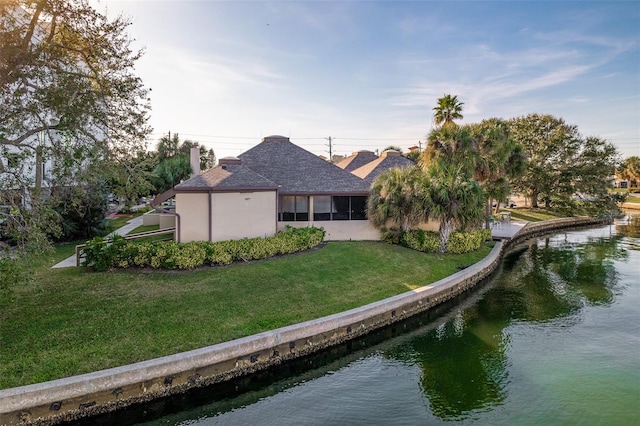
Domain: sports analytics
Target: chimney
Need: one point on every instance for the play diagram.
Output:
(194, 160)
(390, 153)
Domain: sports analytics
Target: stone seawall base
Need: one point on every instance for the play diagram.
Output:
(108, 390)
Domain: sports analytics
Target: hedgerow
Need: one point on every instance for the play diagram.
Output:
(101, 254)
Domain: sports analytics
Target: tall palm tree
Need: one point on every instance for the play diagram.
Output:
(398, 195)
(448, 109)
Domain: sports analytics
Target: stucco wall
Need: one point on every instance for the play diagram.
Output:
(340, 230)
(193, 209)
(243, 215)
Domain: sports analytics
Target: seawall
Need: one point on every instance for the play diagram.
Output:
(107, 390)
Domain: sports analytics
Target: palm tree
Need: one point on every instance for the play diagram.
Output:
(452, 144)
(455, 199)
(500, 159)
(448, 109)
(398, 195)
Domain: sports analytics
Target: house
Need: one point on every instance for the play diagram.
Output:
(267, 188)
(356, 160)
(371, 170)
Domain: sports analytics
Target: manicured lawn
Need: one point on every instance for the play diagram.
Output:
(69, 321)
(532, 215)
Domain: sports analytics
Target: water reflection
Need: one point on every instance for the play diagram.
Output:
(464, 362)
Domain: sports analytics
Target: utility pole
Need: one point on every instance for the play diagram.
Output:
(330, 149)
(419, 146)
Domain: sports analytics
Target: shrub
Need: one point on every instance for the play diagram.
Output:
(103, 254)
(459, 242)
(464, 242)
(425, 241)
(391, 235)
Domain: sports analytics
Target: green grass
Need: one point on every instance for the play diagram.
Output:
(69, 321)
(144, 228)
(633, 198)
(532, 215)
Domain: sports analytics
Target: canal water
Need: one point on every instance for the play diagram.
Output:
(553, 338)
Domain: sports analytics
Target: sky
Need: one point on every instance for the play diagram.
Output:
(367, 74)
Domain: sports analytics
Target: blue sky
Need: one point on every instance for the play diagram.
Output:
(369, 73)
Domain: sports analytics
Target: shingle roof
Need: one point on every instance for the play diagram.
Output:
(227, 178)
(387, 160)
(357, 160)
(297, 170)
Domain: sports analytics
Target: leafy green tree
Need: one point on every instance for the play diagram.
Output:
(398, 195)
(68, 93)
(171, 171)
(207, 158)
(629, 170)
(565, 170)
(168, 147)
(447, 110)
(132, 177)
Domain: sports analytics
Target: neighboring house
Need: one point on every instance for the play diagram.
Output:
(371, 170)
(356, 160)
(270, 186)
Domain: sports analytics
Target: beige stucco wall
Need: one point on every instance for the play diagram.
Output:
(193, 209)
(235, 215)
(243, 215)
(340, 230)
(166, 221)
(149, 219)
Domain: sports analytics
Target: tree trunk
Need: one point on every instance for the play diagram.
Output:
(534, 200)
(39, 162)
(445, 232)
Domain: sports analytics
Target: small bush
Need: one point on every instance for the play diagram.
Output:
(103, 254)
(391, 235)
(464, 242)
(425, 241)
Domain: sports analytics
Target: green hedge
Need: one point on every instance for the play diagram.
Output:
(429, 241)
(101, 254)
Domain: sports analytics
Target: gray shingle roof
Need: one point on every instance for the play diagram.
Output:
(387, 160)
(227, 178)
(297, 170)
(357, 160)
